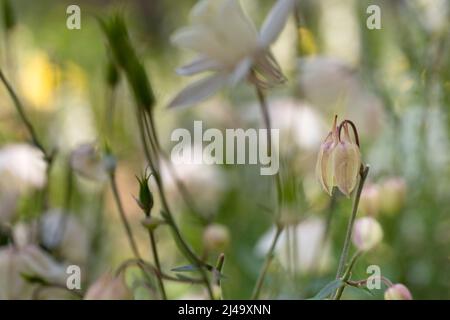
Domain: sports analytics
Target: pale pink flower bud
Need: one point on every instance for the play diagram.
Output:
(109, 287)
(216, 237)
(397, 292)
(393, 194)
(367, 233)
(347, 162)
(369, 202)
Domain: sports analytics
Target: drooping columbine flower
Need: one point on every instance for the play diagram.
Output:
(228, 44)
(339, 159)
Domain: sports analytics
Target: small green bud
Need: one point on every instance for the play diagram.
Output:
(145, 199)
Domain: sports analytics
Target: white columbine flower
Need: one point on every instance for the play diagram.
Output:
(22, 166)
(228, 44)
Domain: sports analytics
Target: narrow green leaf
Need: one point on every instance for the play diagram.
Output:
(327, 290)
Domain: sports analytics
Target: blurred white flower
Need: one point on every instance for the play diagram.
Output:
(311, 254)
(28, 260)
(204, 181)
(87, 161)
(8, 205)
(22, 166)
(335, 88)
(74, 123)
(63, 233)
(229, 45)
(298, 122)
(433, 13)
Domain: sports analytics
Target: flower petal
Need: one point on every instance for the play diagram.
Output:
(199, 91)
(200, 64)
(275, 21)
(325, 167)
(347, 162)
(241, 71)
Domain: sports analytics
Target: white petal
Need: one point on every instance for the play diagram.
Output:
(200, 64)
(275, 21)
(241, 71)
(199, 91)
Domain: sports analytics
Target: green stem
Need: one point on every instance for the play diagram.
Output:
(267, 262)
(123, 216)
(363, 175)
(279, 229)
(157, 264)
(168, 216)
(23, 115)
(346, 276)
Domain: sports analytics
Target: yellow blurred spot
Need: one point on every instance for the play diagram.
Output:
(307, 44)
(75, 77)
(38, 80)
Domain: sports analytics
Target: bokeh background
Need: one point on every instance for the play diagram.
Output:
(394, 83)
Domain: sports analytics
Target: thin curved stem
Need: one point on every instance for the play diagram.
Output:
(167, 214)
(267, 262)
(23, 116)
(364, 171)
(363, 175)
(157, 264)
(122, 215)
(346, 276)
(269, 256)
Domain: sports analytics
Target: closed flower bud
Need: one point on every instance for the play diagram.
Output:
(109, 287)
(369, 202)
(367, 233)
(216, 237)
(393, 194)
(145, 200)
(339, 160)
(397, 292)
(347, 162)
